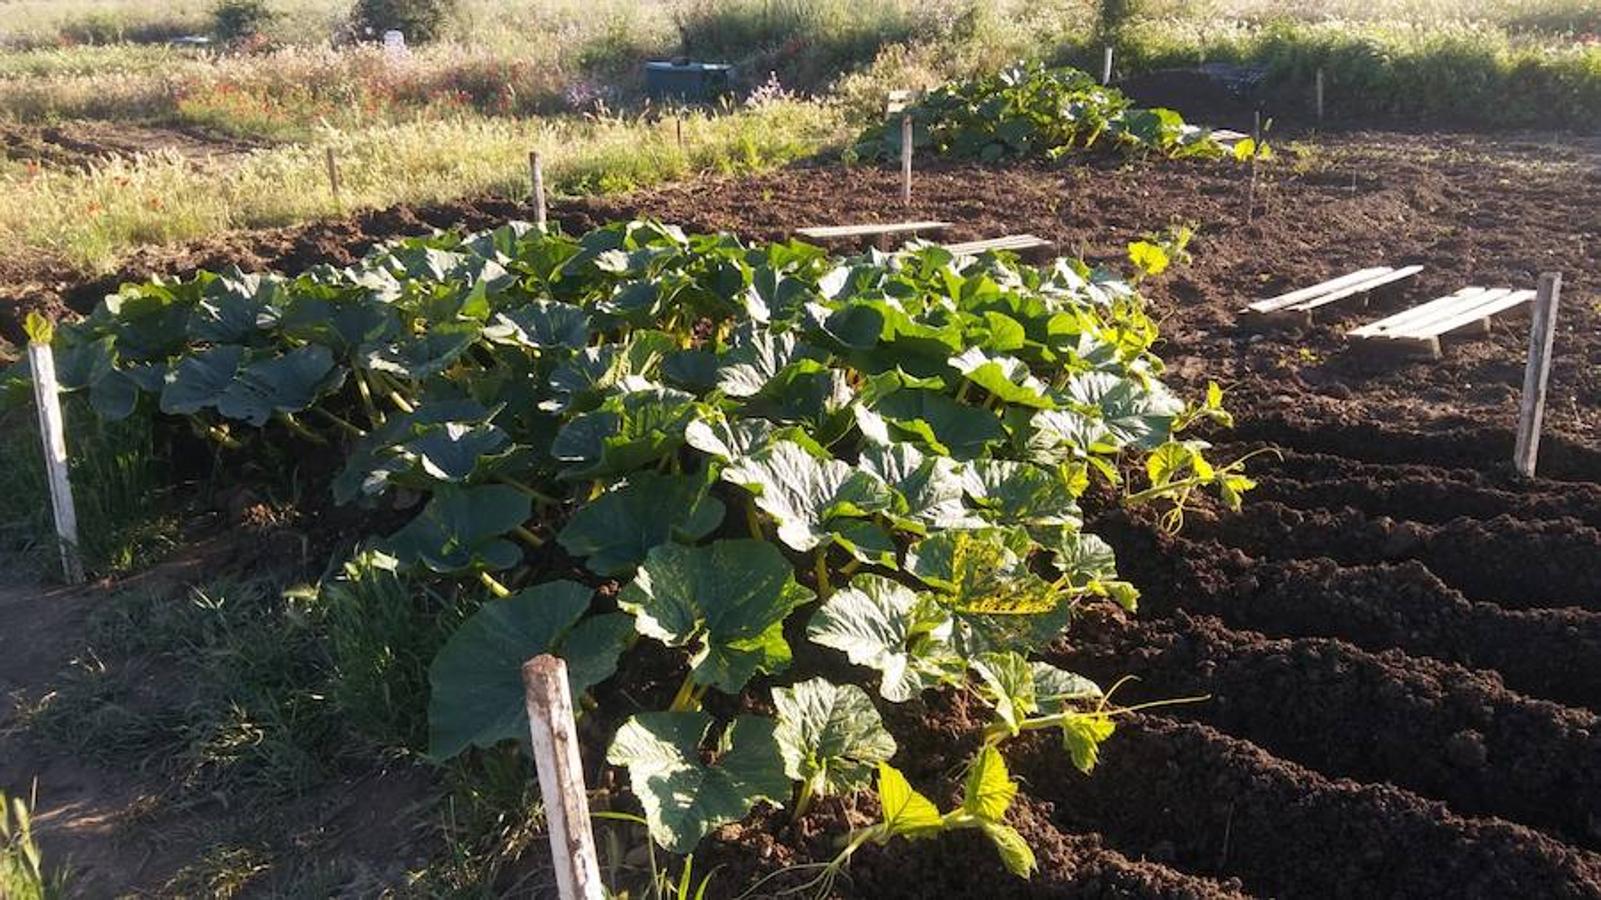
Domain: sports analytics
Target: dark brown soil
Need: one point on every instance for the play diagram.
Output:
(1401, 640)
(85, 144)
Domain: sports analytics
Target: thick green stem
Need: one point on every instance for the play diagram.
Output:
(216, 433)
(528, 537)
(339, 422)
(495, 587)
(684, 700)
(820, 566)
(543, 499)
(294, 425)
(375, 416)
(754, 521)
(803, 803)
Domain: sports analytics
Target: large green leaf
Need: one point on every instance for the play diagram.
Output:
(628, 431)
(288, 383)
(1137, 414)
(616, 530)
(541, 325)
(198, 381)
(1007, 378)
(461, 529)
(685, 798)
(477, 694)
(729, 599)
(1020, 493)
(884, 625)
(928, 490)
(940, 423)
(830, 735)
(804, 494)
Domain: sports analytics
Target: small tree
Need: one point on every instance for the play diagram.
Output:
(419, 20)
(234, 21)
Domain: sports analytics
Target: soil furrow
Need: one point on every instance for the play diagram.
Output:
(1219, 804)
(1375, 607)
(1421, 497)
(1556, 563)
(1438, 729)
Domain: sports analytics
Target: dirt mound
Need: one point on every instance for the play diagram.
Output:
(86, 144)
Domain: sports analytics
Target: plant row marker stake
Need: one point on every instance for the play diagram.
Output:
(1318, 92)
(1256, 150)
(906, 159)
(53, 436)
(1537, 373)
(561, 778)
(536, 179)
(1106, 65)
(333, 176)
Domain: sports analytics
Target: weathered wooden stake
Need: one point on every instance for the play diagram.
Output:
(906, 159)
(1256, 151)
(333, 174)
(53, 436)
(561, 778)
(1106, 65)
(678, 125)
(536, 180)
(1537, 373)
(1318, 92)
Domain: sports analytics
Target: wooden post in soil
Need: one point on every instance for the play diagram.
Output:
(906, 160)
(561, 778)
(536, 181)
(53, 436)
(1106, 65)
(1537, 374)
(333, 176)
(1256, 151)
(1318, 95)
(678, 126)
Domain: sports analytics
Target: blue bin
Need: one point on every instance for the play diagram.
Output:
(686, 81)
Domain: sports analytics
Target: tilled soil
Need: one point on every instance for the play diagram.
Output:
(1399, 641)
(85, 144)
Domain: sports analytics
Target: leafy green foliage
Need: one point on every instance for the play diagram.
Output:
(477, 677)
(830, 736)
(1030, 111)
(988, 794)
(703, 436)
(684, 798)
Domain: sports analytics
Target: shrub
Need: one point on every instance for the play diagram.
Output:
(233, 21)
(419, 20)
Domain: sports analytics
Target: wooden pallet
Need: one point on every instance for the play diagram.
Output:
(1297, 307)
(1016, 243)
(871, 229)
(1418, 330)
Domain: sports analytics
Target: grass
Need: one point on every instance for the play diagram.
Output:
(23, 874)
(119, 478)
(92, 218)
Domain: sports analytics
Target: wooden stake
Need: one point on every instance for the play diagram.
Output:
(906, 160)
(1537, 373)
(53, 436)
(1256, 151)
(536, 180)
(561, 778)
(1318, 92)
(1106, 65)
(333, 174)
(678, 125)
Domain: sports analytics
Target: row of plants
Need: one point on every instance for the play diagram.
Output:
(1034, 112)
(641, 442)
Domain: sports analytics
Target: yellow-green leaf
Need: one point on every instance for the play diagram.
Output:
(989, 788)
(40, 330)
(1015, 852)
(1082, 735)
(1149, 258)
(906, 812)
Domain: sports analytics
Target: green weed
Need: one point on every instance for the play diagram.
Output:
(22, 870)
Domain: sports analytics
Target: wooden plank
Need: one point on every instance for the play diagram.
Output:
(906, 159)
(554, 733)
(896, 101)
(536, 179)
(823, 232)
(1478, 311)
(53, 435)
(1316, 290)
(1014, 242)
(1364, 287)
(1537, 374)
(1421, 311)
